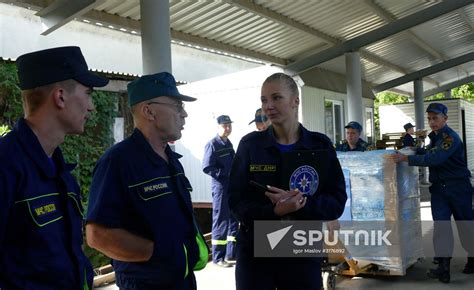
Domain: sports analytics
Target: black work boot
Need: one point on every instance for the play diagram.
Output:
(442, 272)
(469, 268)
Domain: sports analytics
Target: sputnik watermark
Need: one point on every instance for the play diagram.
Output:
(357, 237)
(311, 238)
(369, 239)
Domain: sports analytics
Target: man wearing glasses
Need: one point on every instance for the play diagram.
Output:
(140, 212)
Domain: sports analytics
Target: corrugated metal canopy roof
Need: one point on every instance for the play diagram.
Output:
(282, 32)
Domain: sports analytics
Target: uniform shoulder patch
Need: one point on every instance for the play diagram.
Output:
(447, 142)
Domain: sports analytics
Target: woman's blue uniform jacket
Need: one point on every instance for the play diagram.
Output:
(134, 189)
(40, 218)
(258, 158)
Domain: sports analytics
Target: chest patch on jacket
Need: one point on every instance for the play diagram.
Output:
(155, 187)
(45, 209)
(262, 168)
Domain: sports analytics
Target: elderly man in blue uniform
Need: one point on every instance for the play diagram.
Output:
(41, 211)
(451, 190)
(261, 120)
(217, 161)
(353, 141)
(140, 212)
(408, 140)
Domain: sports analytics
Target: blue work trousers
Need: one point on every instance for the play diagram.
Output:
(224, 227)
(452, 199)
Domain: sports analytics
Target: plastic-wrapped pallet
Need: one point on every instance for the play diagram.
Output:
(384, 191)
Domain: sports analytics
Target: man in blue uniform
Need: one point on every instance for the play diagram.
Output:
(261, 121)
(41, 211)
(353, 141)
(217, 161)
(408, 140)
(140, 212)
(451, 190)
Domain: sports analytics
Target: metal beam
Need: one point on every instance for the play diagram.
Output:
(62, 11)
(382, 62)
(279, 18)
(424, 72)
(117, 21)
(388, 18)
(466, 18)
(379, 34)
(449, 86)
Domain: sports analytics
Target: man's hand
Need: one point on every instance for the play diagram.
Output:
(398, 157)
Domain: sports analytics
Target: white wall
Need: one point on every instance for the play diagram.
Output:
(313, 107)
(104, 48)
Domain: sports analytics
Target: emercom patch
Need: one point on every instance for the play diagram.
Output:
(262, 168)
(447, 143)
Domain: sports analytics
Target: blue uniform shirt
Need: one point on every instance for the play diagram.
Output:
(133, 188)
(408, 141)
(258, 158)
(444, 156)
(217, 161)
(40, 218)
(360, 146)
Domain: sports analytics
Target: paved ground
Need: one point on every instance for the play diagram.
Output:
(216, 278)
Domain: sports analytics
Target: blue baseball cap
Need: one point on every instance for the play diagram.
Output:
(259, 117)
(53, 65)
(223, 119)
(354, 125)
(408, 126)
(156, 85)
(437, 108)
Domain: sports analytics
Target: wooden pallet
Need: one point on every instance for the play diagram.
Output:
(390, 141)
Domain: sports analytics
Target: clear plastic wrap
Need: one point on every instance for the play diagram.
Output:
(384, 191)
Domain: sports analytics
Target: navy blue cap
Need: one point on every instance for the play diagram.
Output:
(223, 119)
(53, 65)
(354, 125)
(259, 117)
(408, 126)
(437, 108)
(156, 85)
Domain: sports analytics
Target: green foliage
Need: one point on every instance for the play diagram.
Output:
(86, 149)
(83, 149)
(465, 92)
(4, 129)
(10, 95)
(435, 97)
(385, 98)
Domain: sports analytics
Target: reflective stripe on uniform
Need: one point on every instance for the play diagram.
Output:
(203, 252)
(219, 242)
(231, 239)
(86, 287)
(186, 256)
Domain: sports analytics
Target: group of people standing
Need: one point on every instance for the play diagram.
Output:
(140, 211)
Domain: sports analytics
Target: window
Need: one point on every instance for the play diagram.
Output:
(334, 120)
(369, 124)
